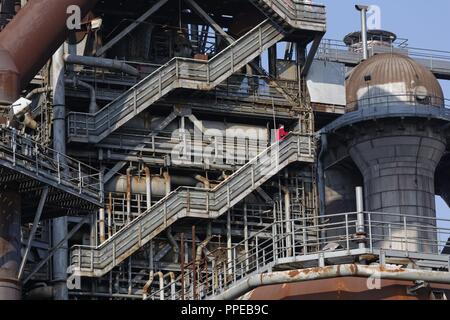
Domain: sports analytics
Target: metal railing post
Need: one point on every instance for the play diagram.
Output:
(370, 232)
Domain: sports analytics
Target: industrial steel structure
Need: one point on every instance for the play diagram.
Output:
(175, 150)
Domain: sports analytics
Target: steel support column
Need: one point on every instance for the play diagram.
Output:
(59, 225)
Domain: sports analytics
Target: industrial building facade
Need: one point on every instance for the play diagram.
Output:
(196, 150)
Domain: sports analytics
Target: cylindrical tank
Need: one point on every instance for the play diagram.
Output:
(10, 245)
(159, 185)
(397, 159)
(398, 166)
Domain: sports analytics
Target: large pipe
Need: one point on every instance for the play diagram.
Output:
(329, 272)
(59, 230)
(139, 185)
(101, 63)
(30, 39)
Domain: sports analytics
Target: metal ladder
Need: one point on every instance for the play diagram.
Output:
(190, 202)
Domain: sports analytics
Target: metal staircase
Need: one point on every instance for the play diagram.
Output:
(294, 14)
(190, 202)
(198, 74)
(33, 166)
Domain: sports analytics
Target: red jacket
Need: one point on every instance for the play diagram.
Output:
(280, 134)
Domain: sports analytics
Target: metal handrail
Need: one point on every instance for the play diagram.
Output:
(335, 50)
(210, 203)
(200, 74)
(168, 77)
(41, 161)
(267, 252)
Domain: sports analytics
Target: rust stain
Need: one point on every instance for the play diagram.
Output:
(384, 269)
(293, 273)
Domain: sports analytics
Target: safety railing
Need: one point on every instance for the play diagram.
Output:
(96, 261)
(340, 236)
(179, 72)
(23, 154)
(299, 14)
(337, 51)
(386, 100)
(401, 105)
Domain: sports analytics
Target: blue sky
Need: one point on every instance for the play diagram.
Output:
(425, 23)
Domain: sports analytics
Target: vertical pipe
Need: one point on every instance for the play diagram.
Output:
(194, 271)
(168, 182)
(363, 10)
(182, 266)
(272, 56)
(360, 231)
(247, 266)
(110, 223)
(148, 187)
(101, 222)
(229, 253)
(59, 230)
(129, 195)
(287, 217)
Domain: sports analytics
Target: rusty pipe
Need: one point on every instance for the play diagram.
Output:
(30, 39)
(336, 271)
(205, 181)
(38, 91)
(287, 216)
(202, 246)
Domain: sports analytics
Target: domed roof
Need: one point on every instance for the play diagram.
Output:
(391, 77)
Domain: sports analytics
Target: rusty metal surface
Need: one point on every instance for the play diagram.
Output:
(348, 288)
(391, 72)
(29, 40)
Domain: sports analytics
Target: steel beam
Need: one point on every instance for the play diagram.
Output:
(119, 165)
(131, 27)
(55, 248)
(312, 54)
(202, 13)
(37, 218)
